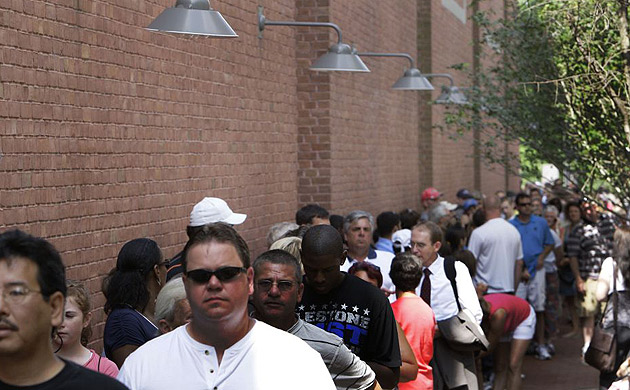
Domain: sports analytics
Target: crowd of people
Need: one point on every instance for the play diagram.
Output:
(448, 297)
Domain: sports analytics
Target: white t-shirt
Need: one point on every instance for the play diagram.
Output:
(266, 358)
(497, 246)
(550, 260)
(606, 273)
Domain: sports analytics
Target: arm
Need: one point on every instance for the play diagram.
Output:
(603, 280)
(541, 257)
(386, 376)
(518, 273)
(467, 292)
(409, 367)
(119, 355)
(497, 324)
(579, 282)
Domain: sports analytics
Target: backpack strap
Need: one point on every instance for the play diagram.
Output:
(451, 273)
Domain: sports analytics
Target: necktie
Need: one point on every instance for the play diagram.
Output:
(425, 289)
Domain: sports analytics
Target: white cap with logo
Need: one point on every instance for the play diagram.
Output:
(211, 210)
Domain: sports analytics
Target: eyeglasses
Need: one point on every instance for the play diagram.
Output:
(283, 285)
(15, 295)
(224, 274)
(524, 204)
(164, 263)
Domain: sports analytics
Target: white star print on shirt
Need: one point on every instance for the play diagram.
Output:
(355, 309)
(344, 306)
(366, 312)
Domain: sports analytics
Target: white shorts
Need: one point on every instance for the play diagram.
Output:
(525, 330)
(534, 291)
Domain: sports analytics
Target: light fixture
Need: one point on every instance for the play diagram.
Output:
(340, 57)
(412, 79)
(194, 17)
(450, 94)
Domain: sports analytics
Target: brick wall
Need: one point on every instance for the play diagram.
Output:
(111, 132)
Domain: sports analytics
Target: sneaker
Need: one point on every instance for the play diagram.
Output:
(551, 348)
(542, 353)
(531, 349)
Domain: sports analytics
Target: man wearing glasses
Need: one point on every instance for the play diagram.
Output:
(32, 295)
(537, 243)
(278, 289)
(222, 347)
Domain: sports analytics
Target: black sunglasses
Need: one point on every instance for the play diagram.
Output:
(224, 274)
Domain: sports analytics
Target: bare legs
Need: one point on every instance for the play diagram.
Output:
(508, 364)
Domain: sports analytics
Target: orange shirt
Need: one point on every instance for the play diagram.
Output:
(418, 322)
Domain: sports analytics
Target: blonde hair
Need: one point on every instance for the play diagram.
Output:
(81, 297)
(293, 245)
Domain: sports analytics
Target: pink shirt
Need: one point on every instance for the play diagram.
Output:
(101, 364)
(418, 322)
(516, 309)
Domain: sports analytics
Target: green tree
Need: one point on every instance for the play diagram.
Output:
(555, 76)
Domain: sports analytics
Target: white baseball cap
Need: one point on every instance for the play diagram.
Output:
(211, 210)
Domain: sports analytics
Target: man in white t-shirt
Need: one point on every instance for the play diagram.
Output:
(497, 247)
(357, 228)
(221, 347)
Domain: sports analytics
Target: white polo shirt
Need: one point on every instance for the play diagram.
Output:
(266, 358)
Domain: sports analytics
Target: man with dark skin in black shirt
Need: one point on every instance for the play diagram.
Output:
(32, 295)
(347, 306)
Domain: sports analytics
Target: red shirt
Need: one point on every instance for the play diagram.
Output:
(418, 322)
(517, 310)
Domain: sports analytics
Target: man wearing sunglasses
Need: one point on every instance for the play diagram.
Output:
(537, 243)
(278, 289)
(222, 347)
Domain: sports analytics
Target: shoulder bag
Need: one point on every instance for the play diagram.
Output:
(602, 352)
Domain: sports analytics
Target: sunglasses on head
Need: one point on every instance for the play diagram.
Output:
(224, 274)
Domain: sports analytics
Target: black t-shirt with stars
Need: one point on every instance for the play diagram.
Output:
(360, 314)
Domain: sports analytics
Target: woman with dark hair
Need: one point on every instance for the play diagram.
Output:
(566, 279)
(130, 291)
(367, 271)
(604, 291)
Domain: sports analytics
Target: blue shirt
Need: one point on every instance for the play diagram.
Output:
(535, 235)
(125, 326)
(384, 244)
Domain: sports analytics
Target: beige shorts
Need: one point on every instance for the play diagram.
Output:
(587, 304)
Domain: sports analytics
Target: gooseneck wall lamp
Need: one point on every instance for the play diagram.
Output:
(194, 17)
(340, 56)
(412, 80)
(450, 94)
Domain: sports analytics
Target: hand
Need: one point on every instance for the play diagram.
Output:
(481, 289)
(564, 261)
(540, 264)
(623, 368)
(525, 275)
(579, 284)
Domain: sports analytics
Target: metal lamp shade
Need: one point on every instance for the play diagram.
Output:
(339, 58)
(413, 80)
(451, 95)
(192, 17)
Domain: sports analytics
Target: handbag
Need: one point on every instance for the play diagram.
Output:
(602, 351)
(461, 332)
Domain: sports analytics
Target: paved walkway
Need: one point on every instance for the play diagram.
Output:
(564, 372)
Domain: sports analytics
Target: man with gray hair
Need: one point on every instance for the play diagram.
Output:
(172, 309)
(278, 289)
(357, 229)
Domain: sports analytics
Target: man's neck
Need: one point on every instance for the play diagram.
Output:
(524, 218)
(358, 255)
(220, 334)
(32, 368)
(427, 264)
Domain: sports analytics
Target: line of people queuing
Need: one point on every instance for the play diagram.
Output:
(344, 302)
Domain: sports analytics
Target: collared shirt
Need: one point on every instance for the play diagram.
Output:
(442, 295)
(535, 235)
(266, 358)
(381, 259)
(385, 245)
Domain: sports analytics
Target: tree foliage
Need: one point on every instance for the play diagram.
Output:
(555, 75)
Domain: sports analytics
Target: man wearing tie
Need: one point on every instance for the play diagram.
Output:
(451, 369)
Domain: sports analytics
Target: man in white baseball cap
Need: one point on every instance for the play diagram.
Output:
(209, 210)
